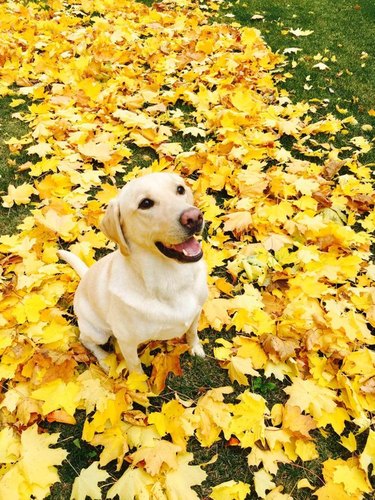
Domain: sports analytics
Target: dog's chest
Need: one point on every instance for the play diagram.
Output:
(162, 310)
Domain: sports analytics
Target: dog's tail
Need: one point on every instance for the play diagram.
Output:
(77, 264)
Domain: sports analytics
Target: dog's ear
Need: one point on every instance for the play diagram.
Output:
(111, 226)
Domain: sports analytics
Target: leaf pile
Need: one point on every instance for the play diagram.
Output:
(289, 217)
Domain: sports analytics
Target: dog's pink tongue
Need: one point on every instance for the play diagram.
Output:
(190, 247)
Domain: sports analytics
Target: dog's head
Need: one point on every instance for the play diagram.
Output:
(156, 212)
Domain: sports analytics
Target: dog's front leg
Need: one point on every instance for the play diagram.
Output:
(195, 347)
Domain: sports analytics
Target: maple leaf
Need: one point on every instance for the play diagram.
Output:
(115, 445)
(100, 151)
(238, 222)
(134, 483)
(35, 470)
(42, 149)
(163, 364)
(175, 420)
(268, 458)
(263, 482)
(86, 484)
(19, 195)
(351, 477)
(9, 446)
(279, 349)
(296, 422)
(310, 397)
(230, 490)
(214, 415)
(178, 482)
(58, 395)
(162, 452)
(247, 422)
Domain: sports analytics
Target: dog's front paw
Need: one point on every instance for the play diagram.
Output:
(197, 350)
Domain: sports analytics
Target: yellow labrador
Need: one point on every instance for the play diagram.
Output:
(154, 285)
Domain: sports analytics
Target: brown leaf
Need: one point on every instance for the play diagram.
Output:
(331, 168)
(322, 199)
(299, 424)
(362, 202)
(369, 386)
(277, 348)
(61, 416)
(163, 364)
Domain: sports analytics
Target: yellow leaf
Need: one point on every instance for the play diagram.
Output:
(9, 446)
(154, 458)
(64, 225)
(134, 483)
(269, 459)
(238, 222)
(107, 192)
(32, 307)
(247, 422)
(332, 491)
(247, 101)
(42, 149)
(115, 445)
(310, 397)
(19, 195)
(100, 151)
(132, 119)
(214, 415)
(16, 102)
(337, 419)
(306, 450)
(298, 32)
(175, 420)
(58, 395)
(230, 490)
(361, 143)
(305, 483)
(352, 478)
(35, 471)
(178, 482)
(86, 484)
(349, 442)
(367, 456)
(263, 482)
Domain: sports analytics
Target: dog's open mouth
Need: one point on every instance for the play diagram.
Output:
(187, 251)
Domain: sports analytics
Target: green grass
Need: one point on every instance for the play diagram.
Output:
(342, 31)
(9, 162)
(342, 40)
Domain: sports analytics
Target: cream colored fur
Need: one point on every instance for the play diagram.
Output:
(136, 293)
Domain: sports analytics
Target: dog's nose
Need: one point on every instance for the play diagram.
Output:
(192, 219)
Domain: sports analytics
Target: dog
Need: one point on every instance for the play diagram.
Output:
(154, 285)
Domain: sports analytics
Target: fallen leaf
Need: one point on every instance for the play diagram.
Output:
(87, 483)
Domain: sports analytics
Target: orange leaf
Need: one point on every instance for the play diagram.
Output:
(61, 416)
(163, 364)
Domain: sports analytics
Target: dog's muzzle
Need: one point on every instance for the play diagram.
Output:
(189, 250)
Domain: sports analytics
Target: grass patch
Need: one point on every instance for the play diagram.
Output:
(9, 161)
(342, 40)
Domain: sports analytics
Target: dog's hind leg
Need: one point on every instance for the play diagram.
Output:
(130, 354)
(92, 338)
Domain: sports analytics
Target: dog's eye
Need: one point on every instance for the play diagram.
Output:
(180, 190)
(146, 203)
